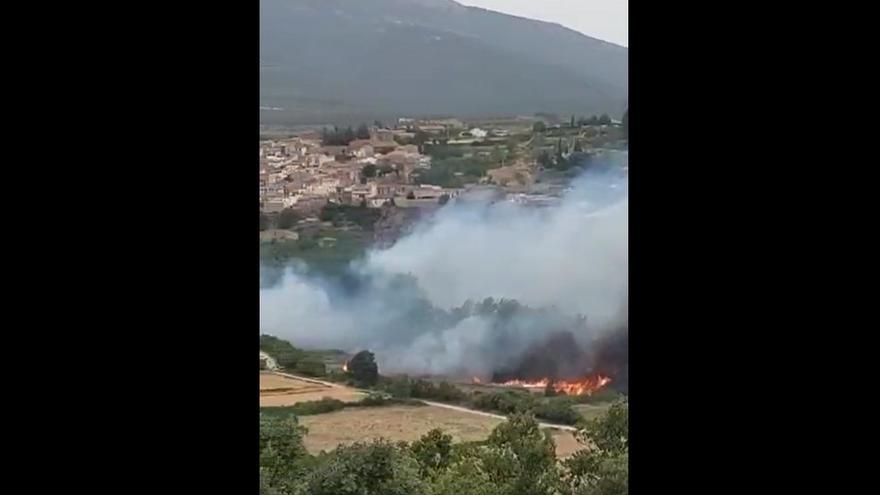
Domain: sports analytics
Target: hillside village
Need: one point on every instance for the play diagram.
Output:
(302, 174)
(393, 166)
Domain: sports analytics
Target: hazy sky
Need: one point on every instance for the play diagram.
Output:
(603, 19)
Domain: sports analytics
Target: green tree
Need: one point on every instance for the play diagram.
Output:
(604, 119)
(602, 468)
(264, 222)
(433, 452)
(610, 433)
(572, 122)
(283, 457)
(558, 410)
(287, 218)
(522, 457)
(539, 126)
(312, 366)
(369, 170)
(363, 369)
(466, 477)
(377, 468)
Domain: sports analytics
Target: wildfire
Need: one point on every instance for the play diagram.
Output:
(345, 367)
(584, 386)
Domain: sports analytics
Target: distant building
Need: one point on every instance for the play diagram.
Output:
(427, 192)
(379, 136)
(361, 148)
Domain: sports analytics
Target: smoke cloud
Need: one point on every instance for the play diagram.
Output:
(422, 305)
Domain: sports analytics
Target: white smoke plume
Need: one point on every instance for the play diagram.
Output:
(572, 257)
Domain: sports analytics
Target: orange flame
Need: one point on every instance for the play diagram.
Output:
(584, 386)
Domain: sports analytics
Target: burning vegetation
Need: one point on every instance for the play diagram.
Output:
(561, 365)
(584, 386)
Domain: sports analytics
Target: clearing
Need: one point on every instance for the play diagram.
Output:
(283, 390)
(407, 423)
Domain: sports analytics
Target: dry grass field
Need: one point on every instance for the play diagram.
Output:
(407, 423)
(278, 390)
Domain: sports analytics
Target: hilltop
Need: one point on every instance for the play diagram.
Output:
(345, 60)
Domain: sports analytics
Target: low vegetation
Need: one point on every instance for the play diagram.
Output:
(327, 405)
(327, 258)
(455, 166)
(293, 359)
(363, 372)
(517, 458)
(361, 216)
(558, 409)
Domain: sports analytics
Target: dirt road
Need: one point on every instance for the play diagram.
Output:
(496, 416)
(439, 404)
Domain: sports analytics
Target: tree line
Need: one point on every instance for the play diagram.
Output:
(518, 458)
(603, 119)
(363, 372)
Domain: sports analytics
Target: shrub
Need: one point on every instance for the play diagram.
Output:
(363, 369)
(311, 367)
(379, 467)
(598, 397)
(558, 410)
(313, 407)
(287, 218)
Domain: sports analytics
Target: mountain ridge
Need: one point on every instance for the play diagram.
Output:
(332, 60)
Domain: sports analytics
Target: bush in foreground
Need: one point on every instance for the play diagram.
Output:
(518, 458)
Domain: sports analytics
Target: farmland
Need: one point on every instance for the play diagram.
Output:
(407, 423)
(280, 390)
(397, 423)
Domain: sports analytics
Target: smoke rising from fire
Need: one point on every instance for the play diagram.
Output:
(421, 304)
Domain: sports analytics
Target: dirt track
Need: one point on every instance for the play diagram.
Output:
(326, 431)
(281, 389)
(408, 423)
(498, 416)
(436, 404)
